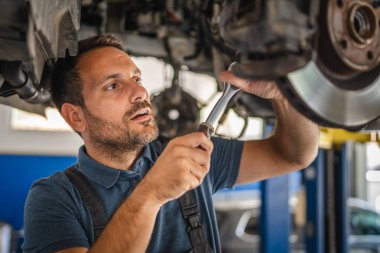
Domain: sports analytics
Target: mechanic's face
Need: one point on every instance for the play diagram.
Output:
(117, 107)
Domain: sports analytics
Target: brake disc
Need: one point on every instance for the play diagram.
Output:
(329, 105)
(176, 112)
(341, 88)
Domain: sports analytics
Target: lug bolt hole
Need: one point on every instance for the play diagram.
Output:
(370, 55)
(343, 44)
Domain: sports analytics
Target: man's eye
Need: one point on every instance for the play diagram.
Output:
(112, 86)
(138, 80)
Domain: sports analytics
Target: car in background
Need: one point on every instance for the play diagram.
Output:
(238, 216)
(364, 227)
(238, 221)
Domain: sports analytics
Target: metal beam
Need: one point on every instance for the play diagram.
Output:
(275, 215)
(342, 190)
(315, 205)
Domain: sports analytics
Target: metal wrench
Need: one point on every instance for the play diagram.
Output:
(208, 127)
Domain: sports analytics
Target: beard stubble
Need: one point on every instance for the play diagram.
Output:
(115, 140)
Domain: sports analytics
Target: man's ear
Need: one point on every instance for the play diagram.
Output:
(73, 115)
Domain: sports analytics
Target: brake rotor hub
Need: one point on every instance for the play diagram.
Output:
(354, 32)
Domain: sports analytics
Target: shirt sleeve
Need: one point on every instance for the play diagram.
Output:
(51, 220)
(225, 162)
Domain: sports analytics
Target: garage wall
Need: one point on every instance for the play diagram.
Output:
(34, 142)
(18, 172)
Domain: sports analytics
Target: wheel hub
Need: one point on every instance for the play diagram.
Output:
(354, 31)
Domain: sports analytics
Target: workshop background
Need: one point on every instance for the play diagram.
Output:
(331, 206)
(324, 55)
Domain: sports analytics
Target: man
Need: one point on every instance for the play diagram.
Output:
(100, 95)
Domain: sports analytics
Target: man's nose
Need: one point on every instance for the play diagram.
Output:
(138, 93)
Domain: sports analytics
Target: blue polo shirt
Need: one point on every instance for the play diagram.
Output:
(56, 218)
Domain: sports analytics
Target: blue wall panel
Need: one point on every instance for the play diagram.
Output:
(18, 172)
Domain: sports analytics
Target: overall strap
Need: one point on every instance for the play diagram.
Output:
(90, 198)
(191, 214)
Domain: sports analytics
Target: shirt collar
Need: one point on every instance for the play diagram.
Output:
(102, 174)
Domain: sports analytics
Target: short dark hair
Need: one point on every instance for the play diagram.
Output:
(66, 84)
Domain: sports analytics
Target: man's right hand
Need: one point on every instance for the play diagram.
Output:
(181, 167)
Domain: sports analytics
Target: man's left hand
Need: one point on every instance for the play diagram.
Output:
(264, 89)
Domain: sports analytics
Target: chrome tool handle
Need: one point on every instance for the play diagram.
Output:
(208, 127)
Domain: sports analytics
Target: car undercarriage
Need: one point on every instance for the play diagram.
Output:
(324, 54)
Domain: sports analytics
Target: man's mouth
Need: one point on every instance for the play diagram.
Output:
(141, 115)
